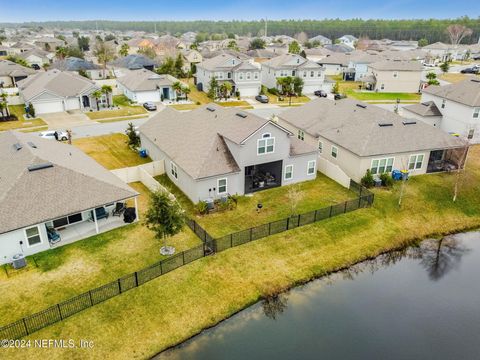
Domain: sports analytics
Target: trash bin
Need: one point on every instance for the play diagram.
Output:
(404, 174)
(378, 182)
(396, 175)
(143, 153)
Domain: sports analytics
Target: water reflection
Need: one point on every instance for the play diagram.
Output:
(274, 306)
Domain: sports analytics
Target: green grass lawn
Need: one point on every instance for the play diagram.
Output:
(172, 308)
(21, 123)
(64, 272)
(274, 99)
(316, 194)
(126, 109)
(374, 96)
(111, 151)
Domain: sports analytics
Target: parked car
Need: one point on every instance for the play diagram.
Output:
(472, 70)
(262, 98)
(477, 57)
(339, 96)
(61, 135)
(35, 67)
(320, 93)
(150, 106)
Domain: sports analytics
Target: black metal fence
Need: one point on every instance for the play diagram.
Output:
(60, 311)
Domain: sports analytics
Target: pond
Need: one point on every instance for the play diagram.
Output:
(420, 303)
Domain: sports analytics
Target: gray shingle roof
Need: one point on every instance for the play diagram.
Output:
(357, 128)
(9, 68)
(427, 108)
(75, 182)
(466, 92)
(60, 83)
(397, 65)
(74, 64)
(145, 80)
(290, 61)
(133, 62)
(224, 62)
(195, 140)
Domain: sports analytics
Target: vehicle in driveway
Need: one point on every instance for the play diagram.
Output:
(472, 70)
(262, 98)
(150, 106)
(320, 93)
(50, 134)
(339, 96)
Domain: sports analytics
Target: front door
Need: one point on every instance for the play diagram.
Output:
(86, 101)
(166, 93)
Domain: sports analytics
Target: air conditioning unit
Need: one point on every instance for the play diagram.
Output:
(19, 261)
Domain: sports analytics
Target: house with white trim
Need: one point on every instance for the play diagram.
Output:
(356, 136)
(214, 151)
(53, 194)
(57, 91)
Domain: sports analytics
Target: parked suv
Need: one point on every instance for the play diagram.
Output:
(61, 135)
(320, 93)
(262, 98)
(472, 70)
(150, 106)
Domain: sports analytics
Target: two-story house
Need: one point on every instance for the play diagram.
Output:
(243, 75)
(354, 137)
(456, 106)
(213, 151)
(295, 66)
(394, 76)
(348, 40)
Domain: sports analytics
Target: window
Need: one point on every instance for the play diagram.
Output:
(334, 151)
(229, 75)
(476, 113)
(249, 75)
(312, 73)
(301, 135)
(266, 145)
(304, 74)
(33, 236)
(255, 75)
(293, 72)
(71, 219)
(382, 87)
(470, 134)
(240, 76)
(443, 103)
(320, 147)
(311, 167)
(395, 74)
(222, 186)
(174, 170)
(415, 162)
(288, 172)
(380, 166)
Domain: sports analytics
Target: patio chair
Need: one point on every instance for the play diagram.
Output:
(101, 213)
(119, 209)
(53, 236)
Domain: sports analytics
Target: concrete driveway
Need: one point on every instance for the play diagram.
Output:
(64, 120)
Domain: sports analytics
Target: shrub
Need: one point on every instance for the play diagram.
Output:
(367, 179)
(202, 207)
(31, 110)
(273, 91)
(198, 103)
(386, 180)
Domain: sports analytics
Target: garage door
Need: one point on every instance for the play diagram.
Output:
(48, 107)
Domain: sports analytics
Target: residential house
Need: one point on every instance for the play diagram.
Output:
(296, 66)
(261, 55)
(403, 45)
(339, 48)
(191, 58)
(425, 111)
(132, 62)
(20, 47)
(335, 64)
(353, 136)
(52, 190)
(79, 66)
(358, 64)
(143, 85)
(37, 57)
(320, 39)
(317, 54)
(394, 76)
(348, 40)
(48, 43)
(243, 75)
(56, 91)
(213, 151)
(11, 73)
(458, 105)
(276, 48)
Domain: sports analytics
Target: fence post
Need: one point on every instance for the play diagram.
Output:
(119, 286)
(25, 324)
(288, 222)
(315, 218)
(59, 311)
(161, 268)
(345, 208)
(251, 229)
(330, 215)
(194, 227)
(269, 228)
(231, 240)
(136, 279)
(90, 295)
(183, 257)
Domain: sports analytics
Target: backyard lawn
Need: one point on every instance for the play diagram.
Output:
(379, 96)
(21, 123)
(172, 308)
(315, 194)
(126, 109)
(455, 77)
(64, 272)
(111, 151)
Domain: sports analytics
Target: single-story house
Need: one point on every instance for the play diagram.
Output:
(93, 71)
(37, 57)
(144, 85)
(214, 151)
(132, 62)
(56, 91)
(52, 192)
(356, 136)
(11, 73)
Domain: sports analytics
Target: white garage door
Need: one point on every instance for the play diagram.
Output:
(48, 107)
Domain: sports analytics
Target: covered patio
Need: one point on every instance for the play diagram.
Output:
(263, 176)
(446, 160)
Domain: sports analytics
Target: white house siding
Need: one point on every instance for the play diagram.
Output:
(457, 118)
(10, 244)
(6, 81)
(72, 103)
(404, 82)
(48, 107)
(311, 84)
(333, 69)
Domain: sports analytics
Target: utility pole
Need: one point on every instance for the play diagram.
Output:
(155, 27)
(265, 27)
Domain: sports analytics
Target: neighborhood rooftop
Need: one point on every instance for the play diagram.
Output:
(465, 92)
(51, 173)
(367, 130)
(145, 80)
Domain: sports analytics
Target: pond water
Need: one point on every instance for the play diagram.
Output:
(421, 303)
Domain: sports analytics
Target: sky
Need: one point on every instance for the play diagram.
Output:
(44, 10)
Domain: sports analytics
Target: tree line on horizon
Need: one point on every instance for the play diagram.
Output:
(431, 29)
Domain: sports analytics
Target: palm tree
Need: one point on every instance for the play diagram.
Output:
(104, 54)
(124, 49)
(2, 108)
(226, 89)
(107, 90)
(177, 87)
(61, 52)
(3, 97)
(186, 90)
(97, 94)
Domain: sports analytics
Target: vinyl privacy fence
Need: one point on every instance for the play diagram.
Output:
(62, 310)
